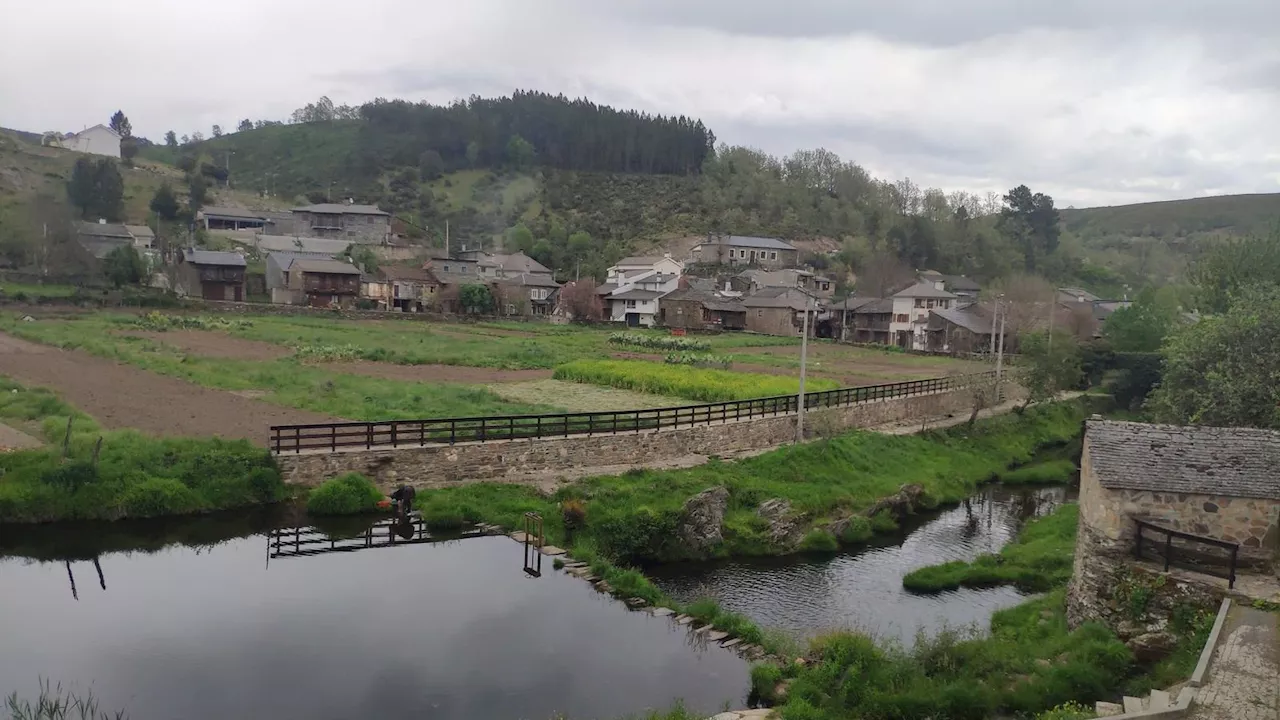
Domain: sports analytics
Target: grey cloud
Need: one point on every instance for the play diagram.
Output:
(937, 22)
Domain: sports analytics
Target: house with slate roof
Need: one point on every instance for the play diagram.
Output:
(1214, 482)
(908, 328)
(210, 275)
(770, 253)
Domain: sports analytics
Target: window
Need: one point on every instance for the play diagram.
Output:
(919, 302)
(929, 305)
(773, 256)
(759, 313)
(902, 318)
(631, 304)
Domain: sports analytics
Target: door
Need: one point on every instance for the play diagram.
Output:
(633, 319)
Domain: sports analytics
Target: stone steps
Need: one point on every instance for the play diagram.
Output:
(1158, 700)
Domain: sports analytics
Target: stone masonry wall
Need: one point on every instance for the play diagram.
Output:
(1134, 600)
(1253, 523)
(533, 460)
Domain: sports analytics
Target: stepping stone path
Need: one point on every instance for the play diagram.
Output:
(731, 642)
(1244, 679)
(636, 602)
(684, 619)
(717, 636)
(757, 714)
(663, 612)
(551, 550)
(520, 536)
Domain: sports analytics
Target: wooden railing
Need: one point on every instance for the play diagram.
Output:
(448, 431)
(1168, 551)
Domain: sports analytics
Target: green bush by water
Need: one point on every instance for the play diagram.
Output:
(1052, 472)
(135, 475)
(1038, 560)
(344, 495)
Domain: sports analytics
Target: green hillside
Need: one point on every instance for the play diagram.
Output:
(1231, 214)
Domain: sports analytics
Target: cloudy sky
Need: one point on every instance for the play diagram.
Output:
(1093, 101)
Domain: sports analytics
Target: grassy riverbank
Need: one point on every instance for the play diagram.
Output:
(1039, 560)
(1030, 663)
(94, 474)
(702, 384)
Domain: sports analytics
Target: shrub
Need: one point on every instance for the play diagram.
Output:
(657, 342)
(858, 530)
(723, 362)
(764, 682)
(161, 322)
(158, 496)
(574, 514)
(883, 522)
(344, 495)
(705, 384)
(819, 541)
(443, 517)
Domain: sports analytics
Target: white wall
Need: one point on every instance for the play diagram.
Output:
(646, 308)
(96, 140)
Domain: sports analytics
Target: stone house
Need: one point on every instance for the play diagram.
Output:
(746, 250)
(210, 275)
(960, 331)
(100, 238)
(324, 283)
(526, 294)
(781, 311)
(1221, 483)
(630, 267)
(1217, 483)
(357, 223)
(871, 320)
(276, 277)
(408, 289)
(908, 326)
(228, 218)
(700, 309)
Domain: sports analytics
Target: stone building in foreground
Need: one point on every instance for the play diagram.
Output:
(1221, 484)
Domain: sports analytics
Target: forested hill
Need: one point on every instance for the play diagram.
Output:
(355, 148)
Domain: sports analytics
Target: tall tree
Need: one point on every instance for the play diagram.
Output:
(124, 266)
(519, 152)
(1143, 326)
(1048, 365)
(171, 139)
(1231, 265)
(1222, 370)
(198, 189)
(97, 189)
(1031, 222)
(120, 123)
(245, 124)
(217, 130)
(430, 165)
(165, 204)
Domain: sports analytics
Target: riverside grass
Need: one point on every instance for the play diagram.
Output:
(693, 383)
(1051, 472)
(1037, 561)
(134, 475)
(349, 494)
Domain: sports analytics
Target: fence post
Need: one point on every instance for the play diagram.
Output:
(333, 438)
(368, 436)
(1137, 548)
(453, 431)
(297, 440)
(394, 426)
(1168, 550)
(1231, 582)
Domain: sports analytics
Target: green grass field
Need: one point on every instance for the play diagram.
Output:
(307, 380)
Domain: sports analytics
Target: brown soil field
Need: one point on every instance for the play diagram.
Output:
(122, 396)
(214, 344)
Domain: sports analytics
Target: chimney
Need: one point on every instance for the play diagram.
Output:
(102, 221)
(666, 255)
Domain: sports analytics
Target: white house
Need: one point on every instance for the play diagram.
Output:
(908, 327)
(633, 266)
(97, 140)
(635, 302)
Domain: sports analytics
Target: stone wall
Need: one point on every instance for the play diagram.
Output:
(1137, 601)
(1253, 523)
(548, 458)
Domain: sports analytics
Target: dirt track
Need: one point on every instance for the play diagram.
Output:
(215, 345)
(121, 396)
(435, 373)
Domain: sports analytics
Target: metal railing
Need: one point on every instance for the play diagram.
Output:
(1168, 551)
(386, 532)
(449, 431)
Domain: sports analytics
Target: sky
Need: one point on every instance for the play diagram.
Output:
(1096, 102)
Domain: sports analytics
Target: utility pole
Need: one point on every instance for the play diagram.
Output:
(804, 356)
(1053, 303)
(1000, 354)
(446, 237)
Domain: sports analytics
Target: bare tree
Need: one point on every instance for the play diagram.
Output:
(883, 273)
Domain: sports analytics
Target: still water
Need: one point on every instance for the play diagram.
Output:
(863, 590)
(450, 629)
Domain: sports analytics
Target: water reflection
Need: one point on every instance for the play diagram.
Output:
(863, 590)
(442, 628)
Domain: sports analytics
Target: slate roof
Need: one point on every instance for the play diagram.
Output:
(854, 303)
(289, 243)
(230, 212)
(637, 295)
(213, 257)
(880, 306)
(112, 230)
(341, 209)
(967, 319)
(1195, 459)
(641, 260)
(406, 274)
(325, 267)
(707, 298)
(752, 242)
(923, 290)
(960, 282)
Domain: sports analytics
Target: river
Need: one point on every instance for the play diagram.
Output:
(863, 590)
(198, 621)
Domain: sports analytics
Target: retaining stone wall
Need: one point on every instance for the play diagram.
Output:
(539, 459)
